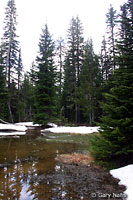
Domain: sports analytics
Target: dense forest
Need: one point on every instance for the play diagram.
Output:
(69, 83)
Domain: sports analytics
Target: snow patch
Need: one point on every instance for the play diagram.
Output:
(18, 128)
(12, 133)
(76, 130)
(52, 125)
(14, 127)
(125, 174)
(27, 124)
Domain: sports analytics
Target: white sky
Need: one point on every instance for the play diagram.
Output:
(33, 14)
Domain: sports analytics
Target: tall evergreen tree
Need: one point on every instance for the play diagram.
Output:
(105, 61)
(10, 42)
(10, 50)
(111, 32)
(45, 94)
(33, 73)
(27, 93)
(90, 82)
(60, 52)
(116, 135)
(68, 97)
(125, 45)
(74, 61)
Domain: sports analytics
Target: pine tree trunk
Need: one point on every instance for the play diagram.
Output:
(90, 120)
(77, 114)
(10, 111)
(30, 113)
(93, 116)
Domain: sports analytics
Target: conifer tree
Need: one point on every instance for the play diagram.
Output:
(68, 97)
(74, 64)
(105, 61)
(45, 95)
(27, 93)
(116, 135)
(111, 32)
(10, 51)
(60, 52)
(33, 73)
(90, 82)
(10, 42)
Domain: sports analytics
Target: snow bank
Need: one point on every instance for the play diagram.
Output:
(18, 128)
(14, 127)
(12, 133)
(76, 130)
(26, 124)
(32, 124)
(22, 127)
(125, 174)
(52, 125)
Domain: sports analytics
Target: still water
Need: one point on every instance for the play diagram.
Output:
(26, 157)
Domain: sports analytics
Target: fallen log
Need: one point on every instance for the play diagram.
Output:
(8, 130)
(3, 122)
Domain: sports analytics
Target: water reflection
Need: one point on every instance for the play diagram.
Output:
(26, 193)
(27, 158)
(9, 187)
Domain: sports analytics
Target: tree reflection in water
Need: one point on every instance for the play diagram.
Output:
(30, 158)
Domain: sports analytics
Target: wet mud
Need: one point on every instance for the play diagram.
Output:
(81, 182)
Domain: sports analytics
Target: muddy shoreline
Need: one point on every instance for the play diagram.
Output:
(86, 182)
(78, 181)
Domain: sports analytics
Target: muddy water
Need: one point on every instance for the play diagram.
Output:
(26, 157)
(28, 171)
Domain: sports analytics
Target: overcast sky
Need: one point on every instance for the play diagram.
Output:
(33, 14)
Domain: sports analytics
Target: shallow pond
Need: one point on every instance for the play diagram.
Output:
(21, 158)
(28, 171)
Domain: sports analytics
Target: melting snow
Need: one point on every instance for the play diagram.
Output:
(125, 174)
(12, 127)
(76, 130)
